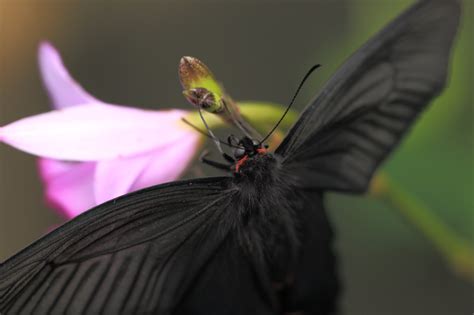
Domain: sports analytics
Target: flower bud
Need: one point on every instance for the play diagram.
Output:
(200, 87)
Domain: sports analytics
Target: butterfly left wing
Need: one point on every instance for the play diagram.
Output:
(141, 253)
(370, 103)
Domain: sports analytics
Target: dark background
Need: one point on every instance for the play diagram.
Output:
(127, 52)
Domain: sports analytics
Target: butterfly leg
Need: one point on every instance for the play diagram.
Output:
(228, 158)
(218, 165)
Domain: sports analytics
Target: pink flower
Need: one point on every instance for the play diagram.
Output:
(92, 151)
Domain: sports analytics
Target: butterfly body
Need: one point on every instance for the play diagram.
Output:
(266, 209)
(286, 232)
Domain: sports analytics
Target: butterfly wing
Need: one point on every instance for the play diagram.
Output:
(141, 253)
(370, 103)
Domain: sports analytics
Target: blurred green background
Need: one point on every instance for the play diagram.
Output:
(127, 52)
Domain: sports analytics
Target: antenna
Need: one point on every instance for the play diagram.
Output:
(292, 101)
(210, 133)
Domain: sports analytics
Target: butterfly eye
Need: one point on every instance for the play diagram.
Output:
(239, 153)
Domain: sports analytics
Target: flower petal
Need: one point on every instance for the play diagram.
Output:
(168, 165)
(68, 186)
(49, 169)
(94, 132)
(117, 177)
(63, 90)
(114, 178)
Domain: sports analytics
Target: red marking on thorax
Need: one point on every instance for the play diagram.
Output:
(242, 161)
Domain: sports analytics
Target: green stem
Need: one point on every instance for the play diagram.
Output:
(262, 115)
(456, 250)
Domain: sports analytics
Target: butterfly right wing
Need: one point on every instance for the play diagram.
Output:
(141, 253)
(370, 103)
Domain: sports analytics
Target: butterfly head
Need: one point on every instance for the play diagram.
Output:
(247, 149)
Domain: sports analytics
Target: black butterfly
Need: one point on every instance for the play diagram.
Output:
(257, 242)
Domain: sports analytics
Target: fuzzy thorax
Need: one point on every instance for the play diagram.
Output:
(265, 217)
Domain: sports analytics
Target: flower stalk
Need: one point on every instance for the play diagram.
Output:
(264, 115)
(458, 253)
